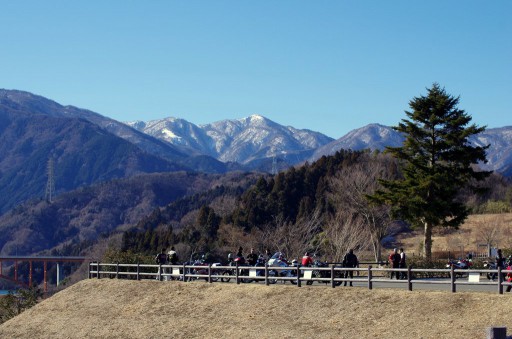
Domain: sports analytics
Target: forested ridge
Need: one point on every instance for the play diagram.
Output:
(318, 206)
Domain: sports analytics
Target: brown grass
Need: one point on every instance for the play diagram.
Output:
(151, 309)
(467, 238)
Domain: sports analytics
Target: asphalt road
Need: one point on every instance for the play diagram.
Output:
(429, 284)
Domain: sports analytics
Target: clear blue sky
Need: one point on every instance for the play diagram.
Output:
(329, 66)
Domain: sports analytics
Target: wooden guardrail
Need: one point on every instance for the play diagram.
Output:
(333, 276)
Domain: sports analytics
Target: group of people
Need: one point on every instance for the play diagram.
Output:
(397, 260)
(349, 260)
(170, 258)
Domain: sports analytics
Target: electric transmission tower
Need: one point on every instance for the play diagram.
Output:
(50, 184)
(274, 165)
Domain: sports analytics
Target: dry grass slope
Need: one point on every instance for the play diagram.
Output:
(150, 309)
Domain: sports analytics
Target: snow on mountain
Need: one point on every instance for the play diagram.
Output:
(373, 136)
(499, 154)
(377, 137)
(242, 140)
(255, 138)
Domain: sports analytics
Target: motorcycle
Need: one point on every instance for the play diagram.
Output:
(278, 260)
(324, 273)
(231, 272)
(201, 268)
(463, 264)
(254, 272)
(491, 265)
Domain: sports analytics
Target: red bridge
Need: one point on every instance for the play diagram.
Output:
(16, 259)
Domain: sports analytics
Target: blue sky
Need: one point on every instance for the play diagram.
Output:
(329, 66)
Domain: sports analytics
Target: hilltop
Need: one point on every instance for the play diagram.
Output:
(150, 309)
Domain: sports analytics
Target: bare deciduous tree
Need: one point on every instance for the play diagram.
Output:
(343, 232)
(349, 188)
(489, 230)
(293, 239)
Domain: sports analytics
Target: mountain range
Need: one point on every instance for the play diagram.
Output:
(257, 138)
(87, 147)
(243, 141)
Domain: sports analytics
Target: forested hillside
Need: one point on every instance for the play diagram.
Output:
(82, 152)
(319, 207)
(91, 212)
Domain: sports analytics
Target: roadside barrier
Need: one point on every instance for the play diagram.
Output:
(332, 276)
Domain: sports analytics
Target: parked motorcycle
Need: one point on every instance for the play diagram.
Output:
(491, 265)
(324, 273)
(459, 264)
(463, 264)
(260, 262)
(231, 272)
(201, 268)
(279, 260)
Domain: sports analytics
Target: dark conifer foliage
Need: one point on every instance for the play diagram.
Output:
(292, 194)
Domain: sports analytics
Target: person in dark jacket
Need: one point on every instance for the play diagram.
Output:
(350, 260)
(173, 256)
(402, 264)
(394, 262)
(500, 262)
(252, 258)
(161, 259)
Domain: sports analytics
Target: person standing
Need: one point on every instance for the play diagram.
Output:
(402, 264)
(509, 275)
(252, 258)
(240, 256)
(173, 256)
(350, 260)
(500, 262)
(394, 262)
(161, 259)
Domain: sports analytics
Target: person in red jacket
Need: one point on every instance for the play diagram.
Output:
(307, 260)
(509, 275)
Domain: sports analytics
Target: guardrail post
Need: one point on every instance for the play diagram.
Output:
(138, 271)
(184, 272)
(500, 281)
(497, 333)
(159, 272)
(210, 273)
(237, 279)
(90, 268)
(266, 274)
(298, 275)
(452, 279)
(332, 276)
(409, 277)
(370, 283)
(97, 269)
(117, 270)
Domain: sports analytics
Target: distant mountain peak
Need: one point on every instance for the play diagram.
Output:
(244, 140)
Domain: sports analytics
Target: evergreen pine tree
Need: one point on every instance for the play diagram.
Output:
(436, 159)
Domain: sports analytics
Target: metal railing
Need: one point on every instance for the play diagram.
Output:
(333, 276)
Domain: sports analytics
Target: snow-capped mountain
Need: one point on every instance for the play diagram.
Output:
(373, 136)
(499, 154)
(243, 140)
(377, 137)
